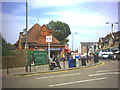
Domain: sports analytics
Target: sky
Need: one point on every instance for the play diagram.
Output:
(87, 18)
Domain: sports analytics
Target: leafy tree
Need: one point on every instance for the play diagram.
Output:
(61, 30)
(6, 47)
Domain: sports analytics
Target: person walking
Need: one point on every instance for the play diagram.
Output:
(96, 58)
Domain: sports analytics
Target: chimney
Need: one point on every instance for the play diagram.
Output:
(20, 41)
(21, 35)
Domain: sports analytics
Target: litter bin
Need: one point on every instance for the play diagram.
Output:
(70, 63)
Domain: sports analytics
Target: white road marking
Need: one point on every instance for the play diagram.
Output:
(104, 73)
(58, 76)
(77, 82)
(108, 70)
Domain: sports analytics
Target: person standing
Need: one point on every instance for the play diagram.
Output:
(32, 59)
(74, 59)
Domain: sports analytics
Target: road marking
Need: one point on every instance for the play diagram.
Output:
(104, 73)
(58, 76)
(108, 70)
(77, 82)
(114, 61)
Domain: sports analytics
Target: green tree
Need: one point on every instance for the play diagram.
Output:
(6, 47)
(61, 30)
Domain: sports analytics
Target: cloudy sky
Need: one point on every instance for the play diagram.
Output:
(88, 18)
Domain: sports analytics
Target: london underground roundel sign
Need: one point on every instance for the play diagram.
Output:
(48, 38)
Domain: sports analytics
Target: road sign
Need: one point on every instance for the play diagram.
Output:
(48, 38)
(54, 49)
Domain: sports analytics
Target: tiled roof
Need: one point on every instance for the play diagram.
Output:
(37, 34)
(33, 33)
(54, 40)
(114, 35)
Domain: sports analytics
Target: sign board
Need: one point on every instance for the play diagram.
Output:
(37, 57)
(54, 49)
(48, 38)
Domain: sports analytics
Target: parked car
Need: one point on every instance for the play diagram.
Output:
(117, 53)
(104, 54)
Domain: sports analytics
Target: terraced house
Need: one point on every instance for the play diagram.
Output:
(110, 42)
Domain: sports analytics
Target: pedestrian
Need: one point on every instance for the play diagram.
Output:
(94, 57)
(32, 60)
(77, 60)
(83, 61)
(90, 58)
(74, 59)
(96, 60)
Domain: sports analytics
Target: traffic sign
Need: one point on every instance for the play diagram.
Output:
(48, 38)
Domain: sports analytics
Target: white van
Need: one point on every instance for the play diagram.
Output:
(104, 54)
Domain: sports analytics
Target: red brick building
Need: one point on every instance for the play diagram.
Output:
(37, 40)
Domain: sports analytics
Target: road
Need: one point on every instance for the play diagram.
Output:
(104, 75)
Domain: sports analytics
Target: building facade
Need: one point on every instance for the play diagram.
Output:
(88, 47)
(110, 42)
(36, 40)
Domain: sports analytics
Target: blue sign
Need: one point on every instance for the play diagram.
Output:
(54, 48)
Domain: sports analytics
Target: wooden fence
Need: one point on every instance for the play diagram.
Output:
(17, 60)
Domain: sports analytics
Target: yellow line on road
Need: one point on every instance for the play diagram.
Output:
(102, 63)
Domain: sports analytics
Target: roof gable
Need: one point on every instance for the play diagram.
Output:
(44, 28)
(33, 33)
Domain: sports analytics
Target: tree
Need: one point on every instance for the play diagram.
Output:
(6, 47)
(61, 30)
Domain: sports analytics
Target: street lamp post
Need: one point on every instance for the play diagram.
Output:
(26, 44)
(112, 23)
(73, 40)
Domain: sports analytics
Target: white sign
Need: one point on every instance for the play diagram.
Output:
(48, 38)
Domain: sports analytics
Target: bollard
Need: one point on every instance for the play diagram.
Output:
(30, 67)
(64, 64)
(7, 68)
(26, 68)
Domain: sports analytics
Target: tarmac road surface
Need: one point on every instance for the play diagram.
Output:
(104, 75)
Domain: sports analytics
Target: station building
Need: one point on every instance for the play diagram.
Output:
(36, 40)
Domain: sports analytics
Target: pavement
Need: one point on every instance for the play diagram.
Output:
(21, 71)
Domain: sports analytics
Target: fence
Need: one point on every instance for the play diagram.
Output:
(15, 61)
(18, 62)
